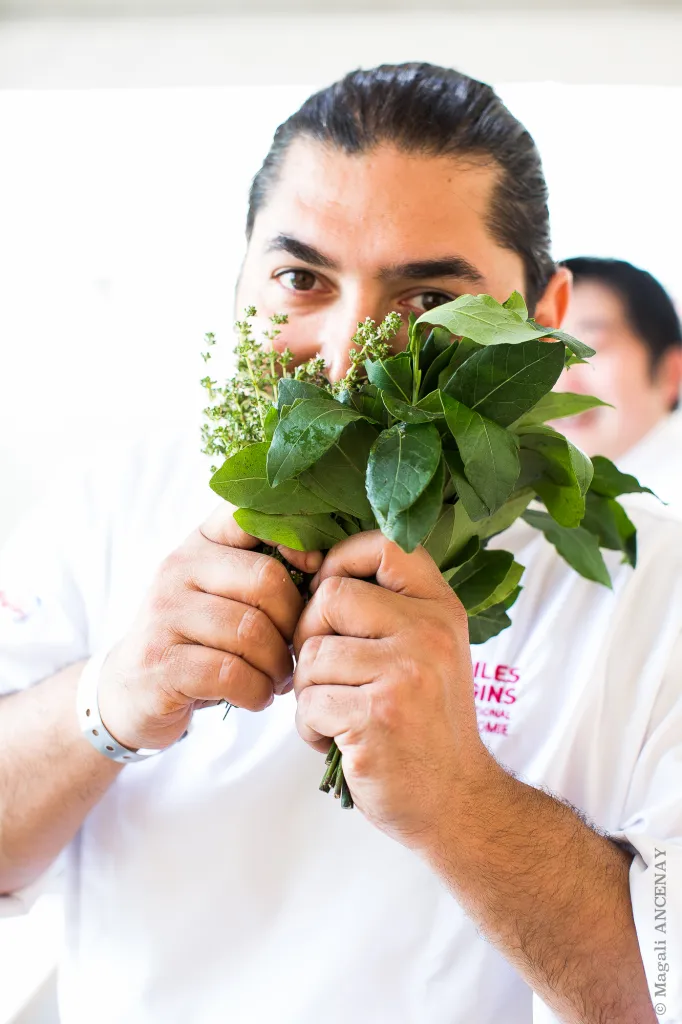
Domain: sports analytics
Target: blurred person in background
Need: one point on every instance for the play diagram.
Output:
(211, 880)
(629, 319)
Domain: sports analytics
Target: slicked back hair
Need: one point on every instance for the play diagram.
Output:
(434, 111)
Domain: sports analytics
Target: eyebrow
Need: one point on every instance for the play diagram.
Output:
(415, 270)
(443, 266)
(302, 251)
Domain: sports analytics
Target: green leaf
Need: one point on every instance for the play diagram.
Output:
(517, 304)
(440, 362)
(302, 533)
(242, 480)
(401, 464)
(577, 348)
(577, 546)
(609, 522)
(464, 349)
(484, 580)
(488, 624)
(475, 506)
(437, 342)
(307, 432)
(489, 453)
(289, 389)
(392, 375)
(505, 381)
(556, 405)
(410, 527)
(368, 401)
(610, 482)
(271, 421)
(411, 413)
(482, 319)
(565, 473)
(338, 476)
(455, 529)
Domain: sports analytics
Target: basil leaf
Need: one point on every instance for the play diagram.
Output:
(338, 476)
(505, 381)
(392, 375)
(455, 528)
(437, 342)
(577, 546)
(302, 533)
(565, 474)
(482, 319)
(486, 579)
(464, 348)
(517, 303)
(366, 400)
(402, 462)
(557, 404)
(242, 480)
(488, 624)
(307, 432)
(580, 351)
(489, 453)
(610, 523)
(411, 413)
(289, 389)
(474, 505)
(610, 482)
(442, 361)
(271, 421)
(410, 527)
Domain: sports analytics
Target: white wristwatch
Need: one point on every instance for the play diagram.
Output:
(90, 720)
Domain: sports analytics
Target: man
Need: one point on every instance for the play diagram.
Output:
(629, 319)
(212, 881)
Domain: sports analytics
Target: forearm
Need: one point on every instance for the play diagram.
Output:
(50, 777)
(551, 894)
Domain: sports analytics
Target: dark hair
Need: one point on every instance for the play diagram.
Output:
(648, 308)
(421, 108)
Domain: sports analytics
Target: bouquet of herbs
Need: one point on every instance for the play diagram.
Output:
(444, 444)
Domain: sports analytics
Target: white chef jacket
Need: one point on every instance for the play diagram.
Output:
(656, 460)
(214, 883)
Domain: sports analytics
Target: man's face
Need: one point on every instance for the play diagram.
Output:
(620, 373)
(341, 238)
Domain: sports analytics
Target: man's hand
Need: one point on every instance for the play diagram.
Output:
(215, 626)
(386, 670)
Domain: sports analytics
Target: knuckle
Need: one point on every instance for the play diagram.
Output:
(271, 576)
(384, 709)
(332, 589)
(252, 630)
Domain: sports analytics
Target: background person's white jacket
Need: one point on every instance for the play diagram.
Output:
(214, 883)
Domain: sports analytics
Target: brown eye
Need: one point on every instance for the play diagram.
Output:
(297, 280)
(429, 300)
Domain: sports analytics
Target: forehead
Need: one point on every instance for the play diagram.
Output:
(382, 202)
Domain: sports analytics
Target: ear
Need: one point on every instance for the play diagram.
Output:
(551, 308)
(668, 375)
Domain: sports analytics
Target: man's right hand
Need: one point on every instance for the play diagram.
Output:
(215, 626)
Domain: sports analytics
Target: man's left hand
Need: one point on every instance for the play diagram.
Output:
(385, 669)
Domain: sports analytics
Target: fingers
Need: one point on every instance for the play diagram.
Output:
(202, 674)
(367, 555)
(237, 629)
(244, 576)
(326, 712)
(220, 528)
(350, 607)
(329, 660)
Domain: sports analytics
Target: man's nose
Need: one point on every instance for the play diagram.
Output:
(339, 328)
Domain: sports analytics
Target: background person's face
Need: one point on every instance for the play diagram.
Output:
(620, 373)
(341, 238)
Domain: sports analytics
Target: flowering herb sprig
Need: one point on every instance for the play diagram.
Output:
(442, 445)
